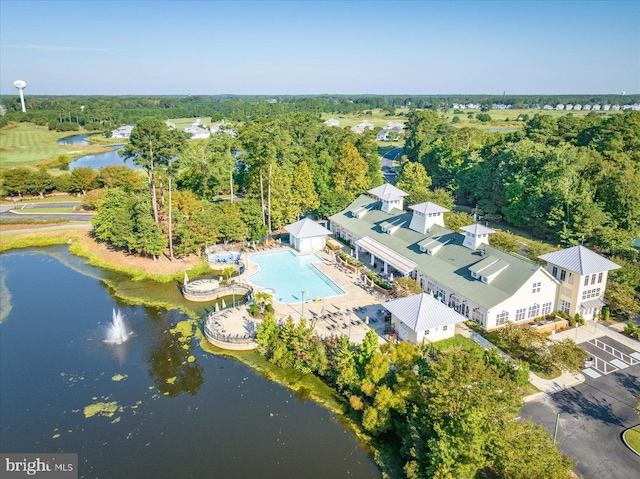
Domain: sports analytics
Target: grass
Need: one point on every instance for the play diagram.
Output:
(181, 123)
(45, 210)
(499, 117)
(632, 436)
(46, 199)
(494, 338)
(26, 144)
(457, 341)
(377, 118)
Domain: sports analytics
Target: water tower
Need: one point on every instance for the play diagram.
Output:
(20, 85)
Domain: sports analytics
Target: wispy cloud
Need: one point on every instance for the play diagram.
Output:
(58, 48)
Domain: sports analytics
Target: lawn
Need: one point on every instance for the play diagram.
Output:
(377, 118)
(25, 144)
(181, 123)
(632, 436)
(457, 341)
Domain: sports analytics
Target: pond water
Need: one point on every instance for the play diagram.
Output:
(165, 408)
(74, 140)
(98, 160)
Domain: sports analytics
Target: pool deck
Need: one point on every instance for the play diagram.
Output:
(357, 299)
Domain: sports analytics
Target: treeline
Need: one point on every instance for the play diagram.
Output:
(572, 180)
(446, 414)
(107, 112)
(281, 169)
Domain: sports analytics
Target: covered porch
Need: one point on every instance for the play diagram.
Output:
(383, 259)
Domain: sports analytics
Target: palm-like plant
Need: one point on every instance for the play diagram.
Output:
(262, 299)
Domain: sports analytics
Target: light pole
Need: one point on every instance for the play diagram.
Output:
(233, 296)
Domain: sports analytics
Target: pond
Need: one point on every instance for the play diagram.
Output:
(153, 406)
(98, 160)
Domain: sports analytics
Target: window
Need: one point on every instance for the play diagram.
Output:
(593, 279)
(536, 287)
(564, 291)
(600, 278)
(570, 280)
(426, 332)
(534, 311)
(520, 314)
(586, 280)
(502, 318)
(478, 316)
(444, 328)
(565, 306)
(591, 293)
(563, 274)
(546, 309)
(554, 271)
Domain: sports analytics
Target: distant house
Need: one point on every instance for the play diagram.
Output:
(577, 107)
(596, 107)
(383, 135)
(332, 122)
(586, 107)
(219, 128)
(559, 106)
(422, 318)
(359, 129)
(615, 107)
(122, 132)
(196, 132)
(306, 235)
(568, 107)
(547, 107)
(606, 107)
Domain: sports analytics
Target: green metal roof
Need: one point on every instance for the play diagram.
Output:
(449, 267)
(483, 264)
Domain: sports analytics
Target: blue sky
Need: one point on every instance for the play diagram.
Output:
(295, 47)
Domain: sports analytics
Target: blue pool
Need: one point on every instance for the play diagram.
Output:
(289, 274)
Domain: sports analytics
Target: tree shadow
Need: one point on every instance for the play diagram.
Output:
(580, 402)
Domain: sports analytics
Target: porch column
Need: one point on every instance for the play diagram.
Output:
(357, 251)
(385, 267)
(373, 259)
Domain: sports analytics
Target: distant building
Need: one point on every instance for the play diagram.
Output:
(596, 107)
(332, 122)
(359, 129)
(568, 107)
(577, 107)
(170, 125)
(586, 107)
(398, 128)
(559, 106)
(615, 107)
(606, 107)
(122, 132)
(547, 107)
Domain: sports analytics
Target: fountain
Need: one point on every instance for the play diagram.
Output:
(117, 332)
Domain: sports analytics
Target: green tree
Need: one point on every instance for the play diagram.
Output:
(566, 355)
(414, 181)
(83, 179)
(114, 176)
(350, 172)
(303, 189)
(407, 286)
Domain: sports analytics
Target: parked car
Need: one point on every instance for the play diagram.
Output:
(589, 362)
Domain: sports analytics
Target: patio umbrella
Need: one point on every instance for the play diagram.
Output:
(390, 276)
(322, 311)
(224, 305)
(366, 320)
(217, 308)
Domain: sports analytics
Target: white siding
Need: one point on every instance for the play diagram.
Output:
(526, 298)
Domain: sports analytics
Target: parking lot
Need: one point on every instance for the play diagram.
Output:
(608, 356)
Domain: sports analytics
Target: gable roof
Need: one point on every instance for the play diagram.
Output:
(579, 259)
(307, 228)
(427, 208)
(422, 311)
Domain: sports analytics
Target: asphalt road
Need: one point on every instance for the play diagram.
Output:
(593, 416)
(26, 210)
(386, 163)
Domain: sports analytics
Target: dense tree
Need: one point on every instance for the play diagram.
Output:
(350, 172)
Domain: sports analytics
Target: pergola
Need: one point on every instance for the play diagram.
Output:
(385, 254)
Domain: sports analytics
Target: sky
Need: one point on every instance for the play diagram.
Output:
(304, 47)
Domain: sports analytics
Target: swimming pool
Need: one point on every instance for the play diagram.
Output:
(289, 274)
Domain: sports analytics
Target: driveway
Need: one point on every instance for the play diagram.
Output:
(593, 416)
(386, 162)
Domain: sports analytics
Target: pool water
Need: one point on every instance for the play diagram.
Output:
(289, 274)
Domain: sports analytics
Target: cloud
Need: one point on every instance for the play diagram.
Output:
(58, 48)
